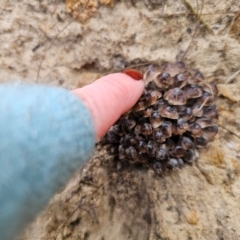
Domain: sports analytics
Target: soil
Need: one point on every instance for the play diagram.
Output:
(103, 201)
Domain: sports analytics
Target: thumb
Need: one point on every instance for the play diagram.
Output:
(108, 98)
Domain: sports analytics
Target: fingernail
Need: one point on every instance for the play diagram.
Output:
(137, 75)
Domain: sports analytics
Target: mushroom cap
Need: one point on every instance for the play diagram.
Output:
(190, 156)
(141, 146)
(140, 105)
(180, 127)
(211, 88)
(147, 112)
(187, 143)
(201, 142)
(158, 135)
(192, 91)
(146, 129)
(152, 148)
(196, 129)
(163, 80)
(128, 124)
(204, 122)
(172, 164)
(161, 154)
(178, 151)
(151, 72)
(157, 166)
(155, 119)
(175, 96)
(151, 97)
(206, 98)
(180, 163)
(197, 110)
(131, 152)
(128, 140)
(117, 129)
(210, 111)
(174, 68)
(168, 111)
(210, 132)
(186, 114)
(181, 79)
(167, 129)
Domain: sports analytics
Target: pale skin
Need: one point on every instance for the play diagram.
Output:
(108, 98)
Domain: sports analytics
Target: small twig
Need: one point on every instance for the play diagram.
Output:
(233, 133)
(229, 79)
(40, 66)
(198, 16)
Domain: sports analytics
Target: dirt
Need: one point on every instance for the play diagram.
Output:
(198, 202)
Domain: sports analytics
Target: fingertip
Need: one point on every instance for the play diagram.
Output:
(109, 97)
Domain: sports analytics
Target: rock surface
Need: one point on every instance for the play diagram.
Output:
(102, 201)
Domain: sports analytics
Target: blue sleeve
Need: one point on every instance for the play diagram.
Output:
(46, 134)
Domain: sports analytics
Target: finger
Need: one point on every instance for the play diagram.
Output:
(108, 98)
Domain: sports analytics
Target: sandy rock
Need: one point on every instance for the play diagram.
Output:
(104, 201)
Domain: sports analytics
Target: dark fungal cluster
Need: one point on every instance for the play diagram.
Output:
(170, 122)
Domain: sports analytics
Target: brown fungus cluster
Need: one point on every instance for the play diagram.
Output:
(169, 123)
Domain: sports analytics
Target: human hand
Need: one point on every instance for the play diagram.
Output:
(108, 98)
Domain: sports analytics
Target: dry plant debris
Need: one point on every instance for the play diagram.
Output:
(82, 10)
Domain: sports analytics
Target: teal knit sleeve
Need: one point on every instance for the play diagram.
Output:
(46, 134)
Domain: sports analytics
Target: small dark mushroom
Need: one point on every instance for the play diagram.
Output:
(210, 112)
(204, 122)
(121, 152)
(112, 137)
(169, 112)
(158, 135)
(175, 96)
(140, 105)
(190, 156)
(163, 80)
(151, 148)
(151, 72)
(180, 127)
(151, 97)
(172, 164)
(128, 140)
(161, 154)
(195, 129)
(131, 153)
(178, 152)
(201, 142)
(128, 124)
(170, 144)
(146, 129)
(211, 88)
(117, 130)
(198, 74)
(157, 166)
(206, 98)
(180, 80)
(186, 143)
(192, 91)
(155, 119)
(166, 128)
(147, 112)
(180, 163)
(210, 132)
(186, 114)
(141, 146)
(197, 110)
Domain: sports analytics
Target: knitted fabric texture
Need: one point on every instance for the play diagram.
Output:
(46, 135)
